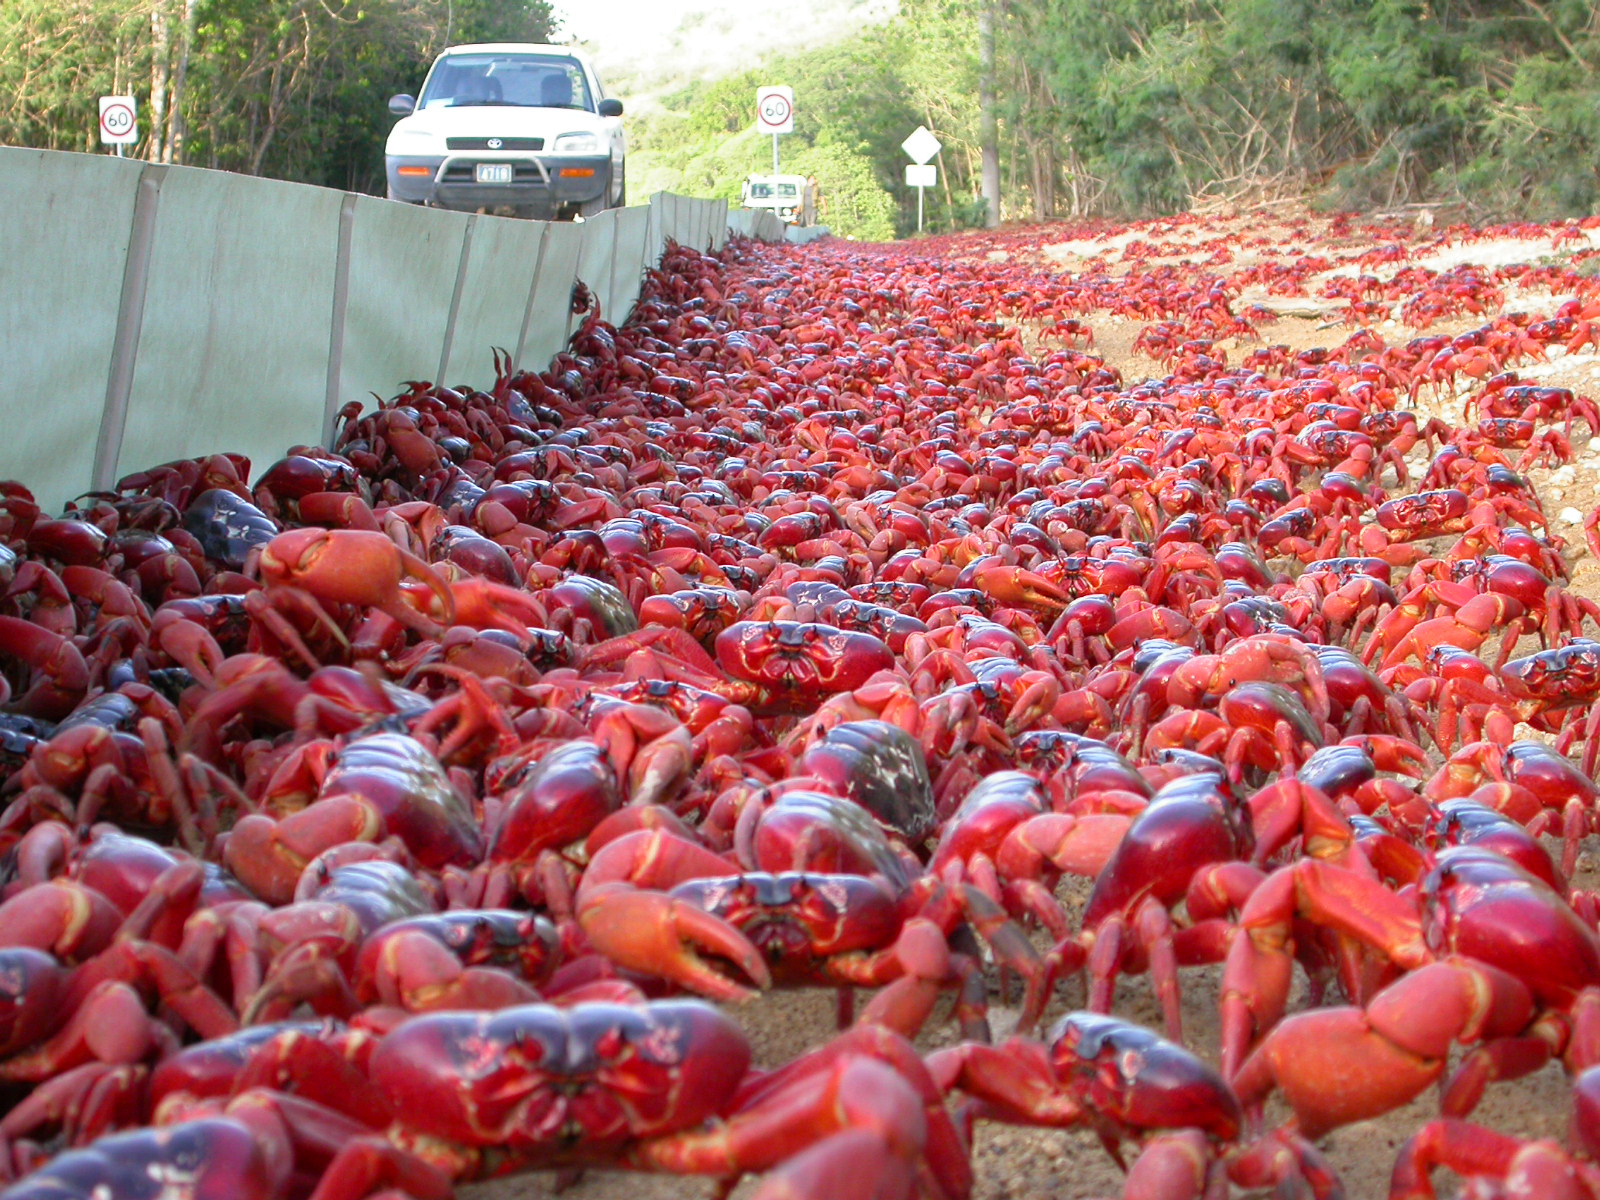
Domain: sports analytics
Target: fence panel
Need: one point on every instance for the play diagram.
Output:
(628, 257)
(402, 275)
(234, 346)
(494, 301)
(717, 234)
(594, 261)
(550, 315)
(168, 312)
(64, 266)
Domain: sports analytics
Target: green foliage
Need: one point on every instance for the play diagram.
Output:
(1540, 157)
(1118, 107)
(852, 112)
(56, 58)
(854, 203)
(290, 88)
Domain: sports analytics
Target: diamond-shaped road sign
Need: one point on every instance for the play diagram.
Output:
(922, 145)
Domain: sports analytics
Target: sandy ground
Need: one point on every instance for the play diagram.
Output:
(1026, 1164)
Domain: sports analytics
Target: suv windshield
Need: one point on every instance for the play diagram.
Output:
(526, 80)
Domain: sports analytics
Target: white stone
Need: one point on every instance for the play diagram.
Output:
(1563, 475)
(1570, 516)
(1594, 443)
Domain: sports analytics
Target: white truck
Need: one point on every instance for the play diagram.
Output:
(517, 128)
(791, 197)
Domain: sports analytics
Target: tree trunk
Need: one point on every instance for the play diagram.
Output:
(173, 150)
(988, 123)
(160, 69)
(1042, 163)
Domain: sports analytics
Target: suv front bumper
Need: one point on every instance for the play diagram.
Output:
(539, 182)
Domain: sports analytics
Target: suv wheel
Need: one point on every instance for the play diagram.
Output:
(622, 190)
(593, 208)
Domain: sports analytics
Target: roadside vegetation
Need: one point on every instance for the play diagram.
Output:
(1123, 108)
(1111, 108)
(292, 89)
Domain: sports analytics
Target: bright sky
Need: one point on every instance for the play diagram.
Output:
(639, 39)
(592, 20)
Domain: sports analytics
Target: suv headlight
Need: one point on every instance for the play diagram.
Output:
(410, 141)
(576, 143)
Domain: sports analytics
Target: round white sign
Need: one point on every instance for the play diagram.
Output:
(119, 120)
(775, 110)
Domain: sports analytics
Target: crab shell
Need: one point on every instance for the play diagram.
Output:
(561, 1084)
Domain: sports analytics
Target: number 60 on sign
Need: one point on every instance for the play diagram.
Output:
(119, 120)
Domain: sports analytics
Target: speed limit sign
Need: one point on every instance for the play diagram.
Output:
(119, 120)
(775, 110)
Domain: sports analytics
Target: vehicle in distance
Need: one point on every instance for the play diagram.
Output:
(791, 197)
(510, 127)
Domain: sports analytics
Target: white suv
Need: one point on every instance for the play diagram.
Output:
(509, 126)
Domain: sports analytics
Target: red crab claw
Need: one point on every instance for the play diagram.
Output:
(1386, 1054)
(1541, 1168)
(1014, 585)
(82, 1103)
(658, 935)
(853, 1165)
(61, 916)
(1257, 973)
(555, 801)
(1390, 753)
(484, 604)
(355, 566)
(948, 1166)
(847, 1094)
(187, 643)
(269, 856)
(1468, 628)
(110, 1025)
(60, 676)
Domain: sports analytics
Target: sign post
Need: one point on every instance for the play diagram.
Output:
(921, 146)
(775, 115)
(119, 121)
(922, 177)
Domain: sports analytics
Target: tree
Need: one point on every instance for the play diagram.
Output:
(290, 88)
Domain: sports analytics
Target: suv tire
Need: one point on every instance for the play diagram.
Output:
(593, 208)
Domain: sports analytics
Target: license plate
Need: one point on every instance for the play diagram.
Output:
(492, 173)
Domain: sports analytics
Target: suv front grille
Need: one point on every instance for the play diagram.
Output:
(482, 143)
(463, 173)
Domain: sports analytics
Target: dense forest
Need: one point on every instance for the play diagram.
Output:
(1103, 107)
(293, 89)
(1130, 107)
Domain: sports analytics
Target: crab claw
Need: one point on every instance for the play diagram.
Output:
(1014, 585)
(665, 937)
(355, 566)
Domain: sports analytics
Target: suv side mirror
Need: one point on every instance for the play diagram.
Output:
(610, 108)
(402, 105)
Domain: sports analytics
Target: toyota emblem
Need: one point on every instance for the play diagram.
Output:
(495, 143)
